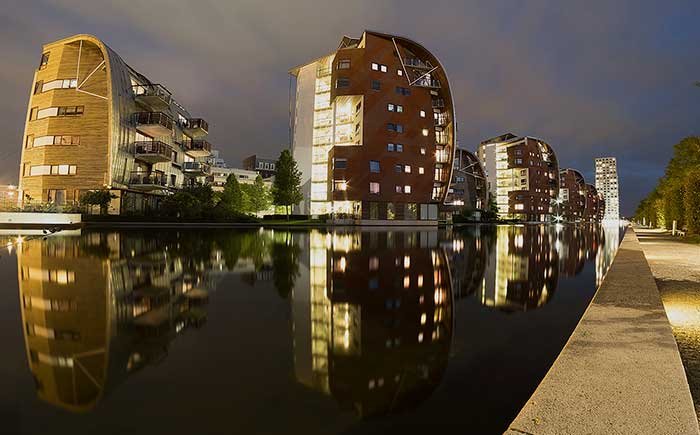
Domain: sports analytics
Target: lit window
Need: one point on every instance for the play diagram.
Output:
(375, 66)
(407, 189)
(422, 150)
(399, 108)
(519, 207)
(382, 68)
(425, 132)
(422, 113)
(406, 281)
(344, 64)
(420, 337)
(390, 147)
(399, 148)
(374, 187)
(423, 319)
(390, 107)
(340, 185)
(406, 261)
(399, 72)
(420, 281)
(374, 263)
(407, 169)
(399, 189)
(421, 170)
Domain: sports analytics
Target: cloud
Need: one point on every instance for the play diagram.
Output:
(591, 77)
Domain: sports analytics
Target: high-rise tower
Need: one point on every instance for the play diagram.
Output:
(606, 183)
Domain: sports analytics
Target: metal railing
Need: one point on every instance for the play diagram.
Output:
(152, 90)
(151, 118)
(199, 167)
(151, 147)
(194, 123)
(427, 82)
(416, 63)
(438, 103)
(196, 145)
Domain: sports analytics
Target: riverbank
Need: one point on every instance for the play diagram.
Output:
(675, 264)
(621, 370)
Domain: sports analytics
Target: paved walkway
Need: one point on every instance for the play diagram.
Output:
(676, 268)
(620, 372)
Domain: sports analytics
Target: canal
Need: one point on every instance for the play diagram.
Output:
(273, 331)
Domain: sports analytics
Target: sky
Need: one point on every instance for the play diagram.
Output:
(592, 78)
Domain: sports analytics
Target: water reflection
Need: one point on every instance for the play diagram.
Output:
(372, 312)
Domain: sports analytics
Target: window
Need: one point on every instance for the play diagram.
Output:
(59, 84)
(399, 108)
(375, 66)
(518, 152)
(58, 111)
(340, 185)
(33, 113)
(342, 82)
(38, 86)
(519, 207)
(424, 132)
(399, 72)
(44, 61)
(55, 140)
(376, 85)
(403, 91)
(398, 168)
(339, 163)
(374, 188)
(344, 64)
(374, 166)
(399, 189)
(56, 196)
(390, 147)
(407, 169)
(52, 170)
(390, 210)
(412, 213)
(422, 113)
(399, 148)
(459, 179)
(518, 161)
(399, 128)
(421, 170)
(390, 107)
(29, 142)
(407, 189)
(382, 68)
(422, 150)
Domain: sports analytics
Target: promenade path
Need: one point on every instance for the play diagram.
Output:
(620, 372)
(676, 268)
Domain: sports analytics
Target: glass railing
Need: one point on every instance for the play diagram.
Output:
(438, 103)
(153, 118)
(148, 178)
(195, 123)
(152, 90)
(196, 145)
(151, 147)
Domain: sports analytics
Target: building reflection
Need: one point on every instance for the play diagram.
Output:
(522, 270)
(374, 320)
(100, 307)
(609, 234)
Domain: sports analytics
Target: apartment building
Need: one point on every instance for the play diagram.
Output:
(468, 185)
(595, 205)
(264, 167)
(94, 122)
(606, 182)
(522, 173)
(374, 130)
(571, 204)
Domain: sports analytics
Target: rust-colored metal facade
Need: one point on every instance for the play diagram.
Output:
(468, 186)
(572, 195)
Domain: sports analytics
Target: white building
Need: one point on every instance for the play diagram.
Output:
(606, 183)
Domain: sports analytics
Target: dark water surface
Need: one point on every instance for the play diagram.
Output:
(266, 332)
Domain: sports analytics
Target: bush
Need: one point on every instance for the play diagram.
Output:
(691, 201)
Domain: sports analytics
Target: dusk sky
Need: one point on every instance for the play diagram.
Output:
(592, 78)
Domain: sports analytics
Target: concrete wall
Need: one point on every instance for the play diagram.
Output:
(39, 218)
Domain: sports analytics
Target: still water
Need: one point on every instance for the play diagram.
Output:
(265, 332)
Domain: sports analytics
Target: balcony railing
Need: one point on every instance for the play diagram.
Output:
(197, 147)
(142, 179)
(152, 95)
(441, 119)
(438, 103)
(427, 82)
(441, 138)
(152, 151)
(197, 126)
(153, 123)
(416, 63)
(196, 168)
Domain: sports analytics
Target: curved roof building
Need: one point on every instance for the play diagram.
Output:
(95, 122)
(374, 130)
(468, 186)
(572, 195)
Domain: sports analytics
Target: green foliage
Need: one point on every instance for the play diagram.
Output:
(258, 196)
(286, 190)
(196, 202)
(230, 200)
(100, 198)
(676, 195)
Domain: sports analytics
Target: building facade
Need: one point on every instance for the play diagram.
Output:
(264, 167)
(571, 203)
(374, 130)
(94, 122)
(595, 205)
(468, 185)
(522, 173)
(606, 182)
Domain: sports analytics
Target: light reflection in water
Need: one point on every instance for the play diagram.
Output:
(373, 312)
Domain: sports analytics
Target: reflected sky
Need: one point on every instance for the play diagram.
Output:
(376, 329)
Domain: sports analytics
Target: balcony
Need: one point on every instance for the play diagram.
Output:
(154, 124)
(196, 127)
(196, 169)
(416, 63)
(441, 138)
(427, 82)
(143, 180)
(441, 119)
(438, 103)
(153, 97)
(197, 148)
(151, 151)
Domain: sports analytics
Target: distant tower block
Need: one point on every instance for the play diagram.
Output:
(607, 184)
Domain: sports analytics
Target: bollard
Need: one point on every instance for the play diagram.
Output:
(673, 231)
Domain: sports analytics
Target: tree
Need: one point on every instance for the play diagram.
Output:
(259, 196)
(286, 190)
(101, 198)
(231, 199)
(692, 201)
